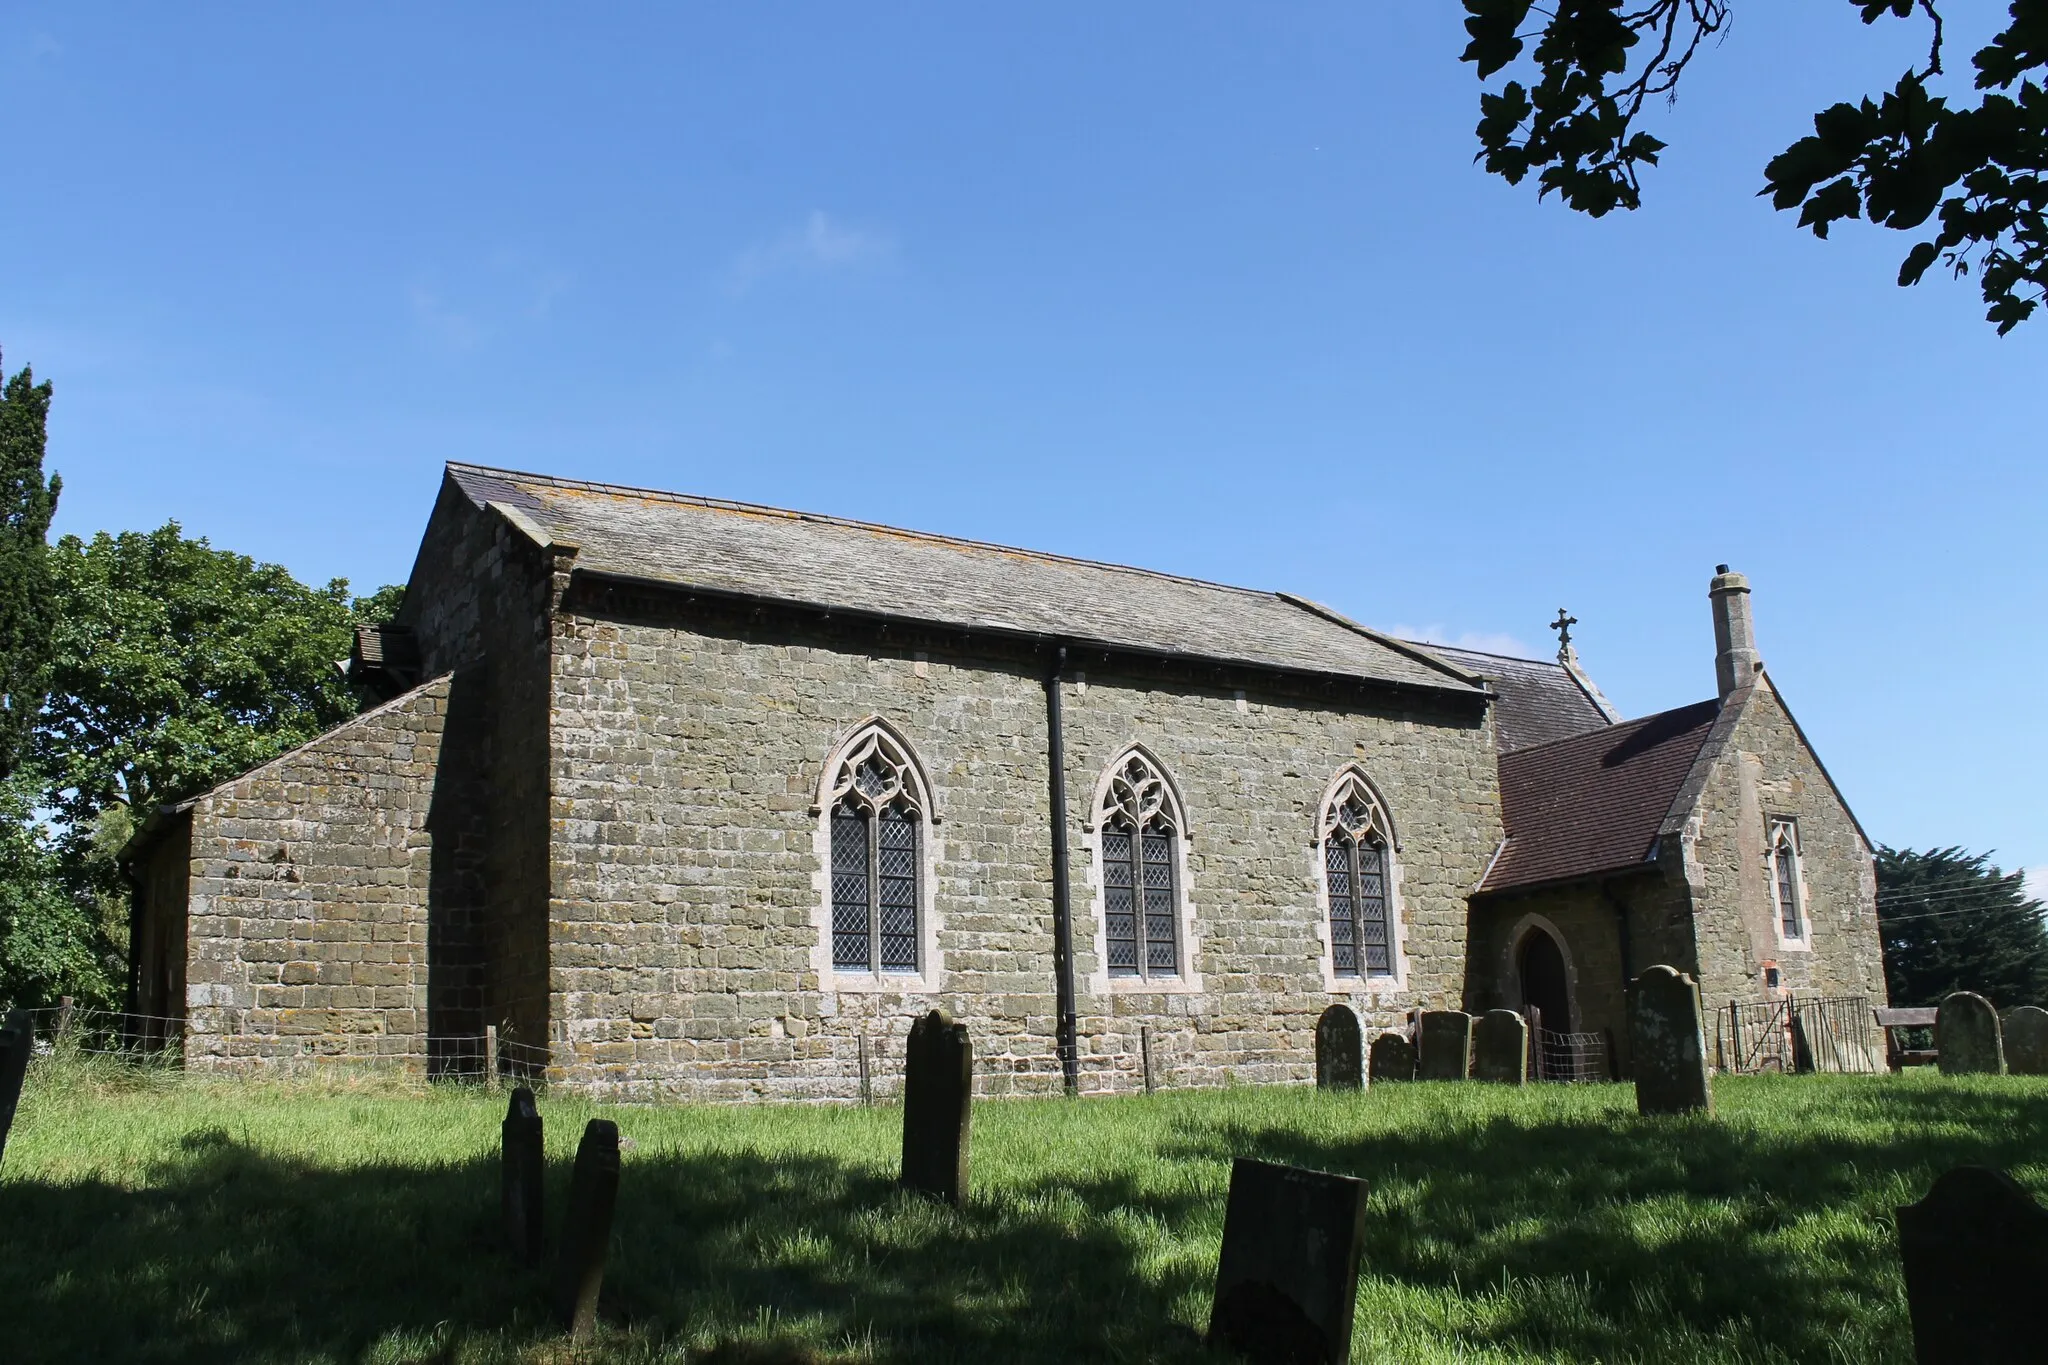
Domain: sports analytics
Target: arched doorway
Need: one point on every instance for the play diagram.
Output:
(1539, 963)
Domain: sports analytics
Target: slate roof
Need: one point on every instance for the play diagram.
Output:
(1539, 701)
(1595, 802)
(766, 553)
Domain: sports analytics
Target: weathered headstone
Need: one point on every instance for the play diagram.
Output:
(1500, 1047)
(1340, 1050)
(17, 1040)
(1975, 1253)
(1443, 1046)
(1668, 1044)
(2024, 1032)
(587, 1226)
(938, 1099)
(520, 1182)
(1966, 1036)
(1287, 1279)
(1393, 1058)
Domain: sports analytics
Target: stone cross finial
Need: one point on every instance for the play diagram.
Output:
(1563, 626)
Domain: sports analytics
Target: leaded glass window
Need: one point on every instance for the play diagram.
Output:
(1139, 828)
(1355, 876)
(1785, 878)
(876, 829)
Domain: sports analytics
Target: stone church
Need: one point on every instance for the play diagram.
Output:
(689, 798)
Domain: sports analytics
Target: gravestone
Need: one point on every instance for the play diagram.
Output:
(1287, 1279)
(1393, 1058)
(938, 1095)
(520, 1177)
(587, 1226)
(1668, 1044)
(1443, 1046)
(2024, 1032)
(1975, 1254)
(1340, 1060)
(1966, 1036)
(17, 1040)
(1500, 1047)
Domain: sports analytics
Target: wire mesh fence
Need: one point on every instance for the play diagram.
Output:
(1816, 1033)
(1574, 1057)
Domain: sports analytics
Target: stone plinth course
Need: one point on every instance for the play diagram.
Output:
(1967, 1037)
(1443, 1046)
(1393, 1058)
(1668, 1044)
(1340, 1058)
(1500, 1047)
(587, 1226)
(1287, 1278)
(938, 1098)
(522, 1166)
(1975, 1255)
(2024, 1032)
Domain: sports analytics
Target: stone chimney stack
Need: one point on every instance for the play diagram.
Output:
(1735, 658)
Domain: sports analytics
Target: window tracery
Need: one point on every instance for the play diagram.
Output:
(1140, 826)
(878, 814)
(1357, 838)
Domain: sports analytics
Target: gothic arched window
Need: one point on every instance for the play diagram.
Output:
(1357, 876)
(1785, 879)
(879, 810)
(1140, 827)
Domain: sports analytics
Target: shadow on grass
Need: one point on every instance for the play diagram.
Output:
(232, 1255)
(1747, 1240)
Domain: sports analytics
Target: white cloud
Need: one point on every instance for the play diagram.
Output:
(1485, 641)
(821, 246)
(2036, 883)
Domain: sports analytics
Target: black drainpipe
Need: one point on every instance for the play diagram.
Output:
(1062, 899)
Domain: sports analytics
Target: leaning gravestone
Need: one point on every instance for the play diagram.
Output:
(1966, 1036)
(1975, 1253)
(17, 1040)
(1668, 1044)
(1393, 1058)
(2025, 1035)
(1340, 1060)
(1500, 1047)
(1287, 1279)
(587, 1226)
(1444, 1046)
(520, 1176)
(938, 1098)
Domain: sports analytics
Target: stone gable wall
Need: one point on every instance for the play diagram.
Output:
(687, 755)
(309, 888)
(1766, 770)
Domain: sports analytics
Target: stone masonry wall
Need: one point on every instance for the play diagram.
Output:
(1767, 770)
(689, 748)
(309, 884)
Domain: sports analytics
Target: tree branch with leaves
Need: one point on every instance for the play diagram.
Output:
(1979, 171)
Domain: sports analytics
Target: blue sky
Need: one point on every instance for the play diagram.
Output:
(1208, 288)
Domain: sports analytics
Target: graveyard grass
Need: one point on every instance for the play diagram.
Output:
(151, 1216)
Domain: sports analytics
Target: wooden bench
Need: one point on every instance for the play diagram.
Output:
(1897, 1054)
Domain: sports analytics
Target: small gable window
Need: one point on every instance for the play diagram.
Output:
(1140, 830)
(1356, 838)
(876, 832)
(1784, 854)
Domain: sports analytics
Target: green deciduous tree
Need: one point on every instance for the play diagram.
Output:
(1979, 170)
(1953, 922)
(27, 501)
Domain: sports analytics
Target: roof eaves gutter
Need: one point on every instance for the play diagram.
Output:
(1596, 876)
(1038, 638)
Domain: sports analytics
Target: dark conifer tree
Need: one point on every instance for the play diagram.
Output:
(27, 501)
(1953, 922)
